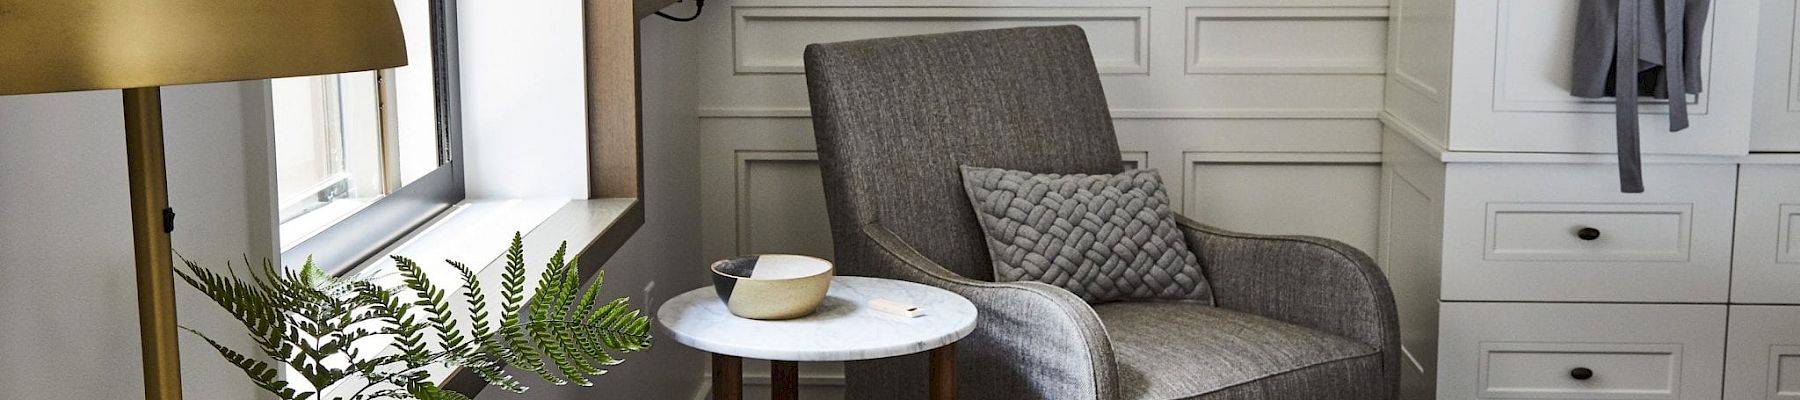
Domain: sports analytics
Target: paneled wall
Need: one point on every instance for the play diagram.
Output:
(1261, 114)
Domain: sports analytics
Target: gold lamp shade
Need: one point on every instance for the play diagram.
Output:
(69, 45)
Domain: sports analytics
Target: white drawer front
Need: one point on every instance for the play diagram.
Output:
(1766, 268)
(1588, 232)
(1563, 232)
(1512, 370)
(1581, 351)
(1764, 358)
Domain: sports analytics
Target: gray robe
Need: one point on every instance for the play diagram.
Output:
(1642, 47)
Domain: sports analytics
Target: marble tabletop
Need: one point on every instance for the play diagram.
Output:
(844, 328)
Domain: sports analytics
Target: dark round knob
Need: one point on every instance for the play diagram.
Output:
(1588, 234)
(1581, 374)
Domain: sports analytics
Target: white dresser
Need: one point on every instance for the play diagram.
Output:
(1522, 272)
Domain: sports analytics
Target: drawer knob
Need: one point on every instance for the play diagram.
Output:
(1588, 233)
(1581, 374)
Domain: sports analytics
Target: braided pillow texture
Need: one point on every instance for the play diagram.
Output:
(1103, 237)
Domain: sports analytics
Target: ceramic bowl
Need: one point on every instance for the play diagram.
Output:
(772, 286)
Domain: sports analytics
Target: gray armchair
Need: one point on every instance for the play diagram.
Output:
(1296, 317)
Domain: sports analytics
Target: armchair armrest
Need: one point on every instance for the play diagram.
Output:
(1032, 340)
(1308, 281)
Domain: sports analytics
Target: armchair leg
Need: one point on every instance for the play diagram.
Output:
(943, 372)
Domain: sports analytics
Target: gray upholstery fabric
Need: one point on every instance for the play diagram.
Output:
(894, 118)
(1318, 283)
(1102, 237)
(1162, 356)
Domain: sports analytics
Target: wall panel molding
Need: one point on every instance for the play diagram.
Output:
(796, 212)
(770, 40)
(1332, 195)
(1287, 41)
(1117, 113)
(1135, 159)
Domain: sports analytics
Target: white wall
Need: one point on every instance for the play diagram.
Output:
(67, 284)
(666, 250)
(526, 117)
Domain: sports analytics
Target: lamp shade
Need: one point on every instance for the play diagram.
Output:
(69, 45)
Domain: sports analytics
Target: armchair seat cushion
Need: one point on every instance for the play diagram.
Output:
(1194, 351)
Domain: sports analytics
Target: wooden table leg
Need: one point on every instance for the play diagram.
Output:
(943, 372)
(728, 377)
(786, 375)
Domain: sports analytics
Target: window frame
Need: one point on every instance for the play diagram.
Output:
(349, 242)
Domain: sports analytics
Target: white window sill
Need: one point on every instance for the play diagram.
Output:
(478, 232)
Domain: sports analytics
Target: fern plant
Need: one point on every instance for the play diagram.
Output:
(323, 328)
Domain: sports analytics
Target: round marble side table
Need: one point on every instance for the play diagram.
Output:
(844, 328)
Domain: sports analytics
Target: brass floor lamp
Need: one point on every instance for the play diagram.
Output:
(138, 46)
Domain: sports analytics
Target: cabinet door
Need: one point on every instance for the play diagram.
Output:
(1512, 82)
(1763, 353)
(1766, 263)
(1777, 126)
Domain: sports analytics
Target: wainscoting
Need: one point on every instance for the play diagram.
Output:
(1261, 114)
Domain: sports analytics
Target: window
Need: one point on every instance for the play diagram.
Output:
(363, 158)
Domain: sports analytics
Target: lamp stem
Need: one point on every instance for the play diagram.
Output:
(150, 238)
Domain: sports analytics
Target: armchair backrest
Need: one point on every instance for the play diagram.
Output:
(895, 118)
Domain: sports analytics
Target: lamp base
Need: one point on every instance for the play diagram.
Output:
(151, 223)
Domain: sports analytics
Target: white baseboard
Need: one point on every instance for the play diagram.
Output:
(705, 391)
(755, 384)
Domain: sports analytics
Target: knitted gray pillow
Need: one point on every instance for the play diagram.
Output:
(1102, 237)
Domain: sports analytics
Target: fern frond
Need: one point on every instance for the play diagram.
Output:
(431, 299)
(429, 391)
(588, 342)
(522, 353)
(259, 372)
(571, 284)
(547, 306)
(489, 365)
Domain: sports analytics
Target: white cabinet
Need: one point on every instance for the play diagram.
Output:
(1502, 83)
(1763, 360)
(1519, 269)
(1582, 351)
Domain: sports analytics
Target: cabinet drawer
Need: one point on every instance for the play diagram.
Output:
(1763, 362)
(1513, 370)
(1581, 351)
(1563, 232)
(1767, 266)
(1588, 232)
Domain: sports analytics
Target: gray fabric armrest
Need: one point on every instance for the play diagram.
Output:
(1032, 340)
(1308, 281)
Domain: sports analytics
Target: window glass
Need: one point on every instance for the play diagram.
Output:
(345, 141)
